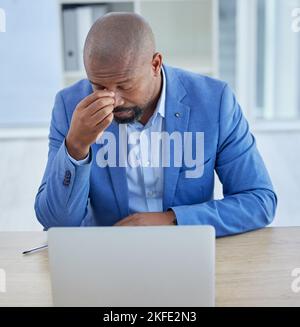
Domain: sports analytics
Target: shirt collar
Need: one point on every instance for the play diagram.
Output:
(160, 107)
(161, 104)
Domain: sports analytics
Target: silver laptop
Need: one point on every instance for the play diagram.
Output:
(133, 266)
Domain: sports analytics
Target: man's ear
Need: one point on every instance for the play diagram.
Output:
(156, 63)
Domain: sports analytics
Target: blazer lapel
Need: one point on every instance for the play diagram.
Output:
(176, 119)
(118, 174)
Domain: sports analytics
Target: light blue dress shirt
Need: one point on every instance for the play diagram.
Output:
(145, 182)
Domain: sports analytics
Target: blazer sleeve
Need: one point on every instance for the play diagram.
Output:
(249, 199)
(62, 198)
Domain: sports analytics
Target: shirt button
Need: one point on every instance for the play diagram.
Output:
(148, 163)
(177, 115)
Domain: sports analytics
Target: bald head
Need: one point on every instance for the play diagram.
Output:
(119, 39)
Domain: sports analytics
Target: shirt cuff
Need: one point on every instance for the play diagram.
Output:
(82, 162)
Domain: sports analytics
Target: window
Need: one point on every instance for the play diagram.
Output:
(260, 56)
(278, 61)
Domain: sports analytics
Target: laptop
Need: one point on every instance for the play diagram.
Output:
(163, 266)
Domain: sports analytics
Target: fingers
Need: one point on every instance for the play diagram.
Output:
(127, 221)
(123, 221)
(105, 122)
(99, 104)
(95, 96)
(101, 114)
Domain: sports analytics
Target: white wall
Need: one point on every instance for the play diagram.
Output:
(30, 61)
(21, 168)
(282, 157)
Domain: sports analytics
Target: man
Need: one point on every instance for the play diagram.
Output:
(128, 89)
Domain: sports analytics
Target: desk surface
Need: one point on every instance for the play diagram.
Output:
(254, 269)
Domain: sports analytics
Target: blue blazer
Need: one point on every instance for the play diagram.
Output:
(88, 195)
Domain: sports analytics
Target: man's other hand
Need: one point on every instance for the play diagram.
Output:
(148, 219)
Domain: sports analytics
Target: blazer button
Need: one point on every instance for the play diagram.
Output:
(66, 182)
(67, 179)
(68, 174)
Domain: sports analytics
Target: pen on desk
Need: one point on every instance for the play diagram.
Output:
(35, 249)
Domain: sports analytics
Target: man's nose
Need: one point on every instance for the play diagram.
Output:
(118, 99)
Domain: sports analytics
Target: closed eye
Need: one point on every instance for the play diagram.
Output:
(121, 87)
(124, 88)
(98, 87)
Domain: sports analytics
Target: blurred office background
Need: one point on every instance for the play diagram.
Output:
(252, 44)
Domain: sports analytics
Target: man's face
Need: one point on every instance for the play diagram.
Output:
(133, 88)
